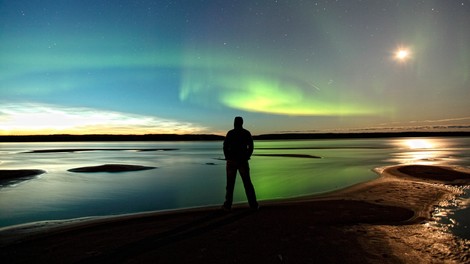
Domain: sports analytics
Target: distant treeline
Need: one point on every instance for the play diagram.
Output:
(208, 137)
(101, 137)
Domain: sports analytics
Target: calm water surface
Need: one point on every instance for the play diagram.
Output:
(193, 174)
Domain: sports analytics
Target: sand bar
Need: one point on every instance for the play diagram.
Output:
(95, 149)
(111, 168)
(11, 177)
(381, 221)
(288, 156)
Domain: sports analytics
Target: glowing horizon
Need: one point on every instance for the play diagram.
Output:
(31, 119)
(39, 119)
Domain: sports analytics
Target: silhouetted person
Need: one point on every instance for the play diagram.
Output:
(238, 147)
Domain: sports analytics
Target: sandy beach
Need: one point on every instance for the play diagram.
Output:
(382, 221)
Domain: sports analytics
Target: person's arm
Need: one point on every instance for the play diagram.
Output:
(226, 145)
(250, 145)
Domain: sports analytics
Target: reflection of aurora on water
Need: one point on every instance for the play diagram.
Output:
(191, 174)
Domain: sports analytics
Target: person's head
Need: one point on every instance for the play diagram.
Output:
(238, 122)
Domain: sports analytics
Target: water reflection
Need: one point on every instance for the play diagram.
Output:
(453, 216)
(419, 143)
(194, 175)
(428, 151)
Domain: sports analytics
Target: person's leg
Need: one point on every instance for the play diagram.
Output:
(231, 169)
(244, 169)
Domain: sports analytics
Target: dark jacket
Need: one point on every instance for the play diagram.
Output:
(238, 144)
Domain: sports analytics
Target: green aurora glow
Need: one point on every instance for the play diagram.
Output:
(286, 66)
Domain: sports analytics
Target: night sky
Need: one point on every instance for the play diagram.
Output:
(191, 66)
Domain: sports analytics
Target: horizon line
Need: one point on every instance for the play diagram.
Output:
(210, 137)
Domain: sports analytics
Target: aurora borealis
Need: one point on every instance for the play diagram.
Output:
(190, 66)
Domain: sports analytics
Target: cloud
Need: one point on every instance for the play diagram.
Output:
(34, 118)
(398, 129)
(442, 120)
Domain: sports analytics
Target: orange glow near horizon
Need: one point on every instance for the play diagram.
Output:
(33, 119)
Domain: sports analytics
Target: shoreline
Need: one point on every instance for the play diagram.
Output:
(215, 137)
(384, 220)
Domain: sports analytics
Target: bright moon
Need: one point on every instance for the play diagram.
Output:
(402, 54)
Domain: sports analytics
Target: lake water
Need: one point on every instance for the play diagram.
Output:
(192, 174)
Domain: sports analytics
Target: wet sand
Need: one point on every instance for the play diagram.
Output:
(381, 221)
